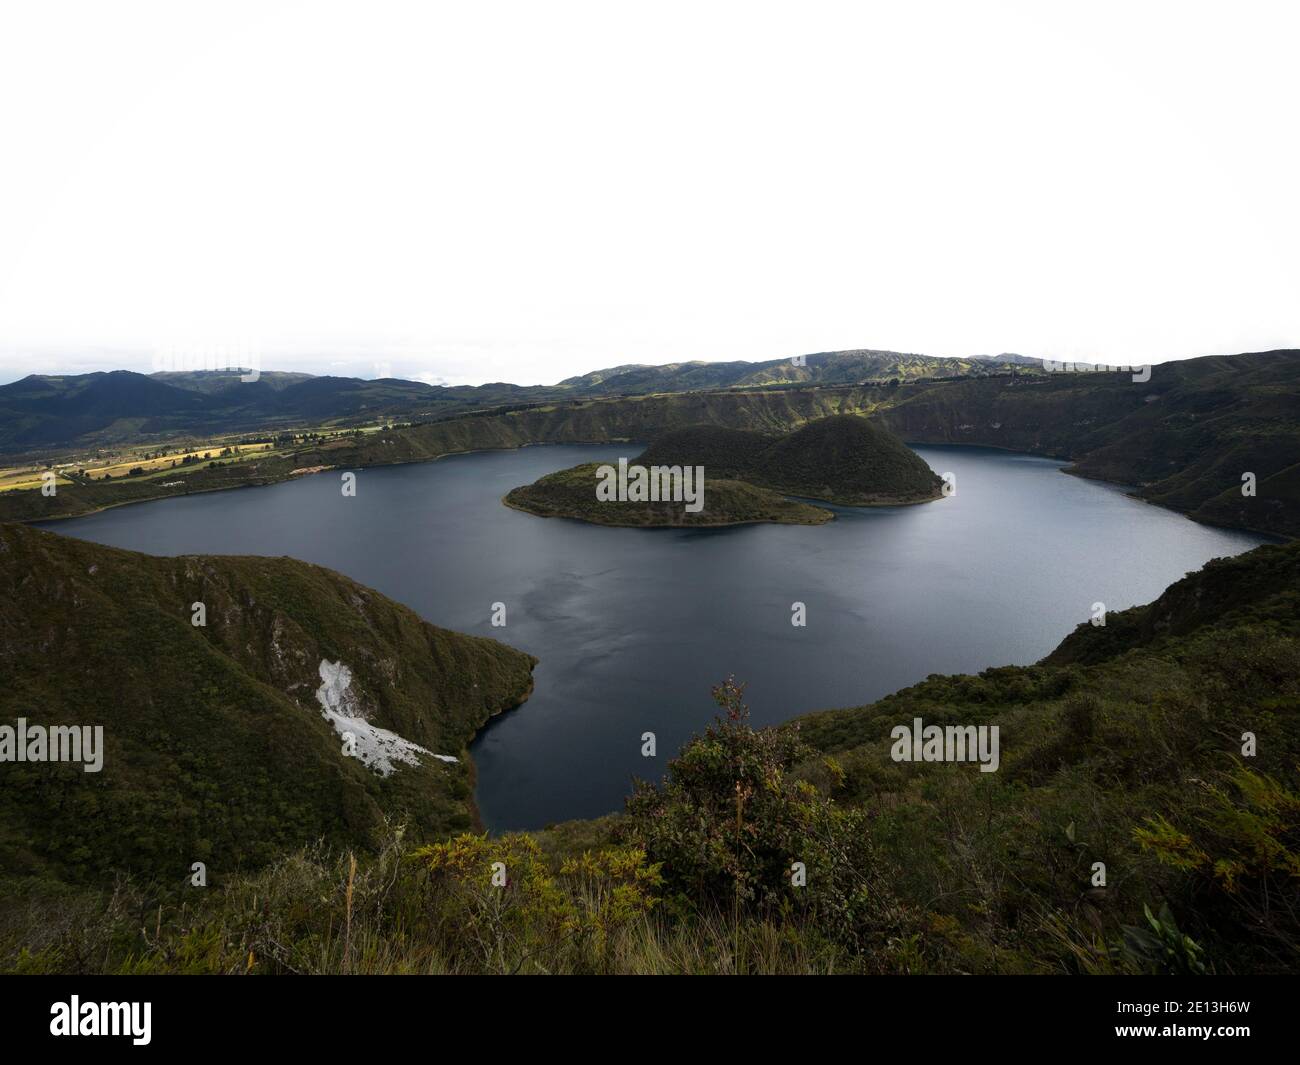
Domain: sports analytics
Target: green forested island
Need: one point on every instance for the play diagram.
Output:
(572, 493)
(842, 459)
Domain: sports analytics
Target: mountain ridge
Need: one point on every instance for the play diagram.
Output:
(40, 411)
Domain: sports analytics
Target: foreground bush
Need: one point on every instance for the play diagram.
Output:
(734, 831)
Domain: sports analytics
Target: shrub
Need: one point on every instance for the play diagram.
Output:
(730, 824)
(1242, 851)
(501, 907)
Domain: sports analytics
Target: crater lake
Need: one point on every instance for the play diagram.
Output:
(633, 626)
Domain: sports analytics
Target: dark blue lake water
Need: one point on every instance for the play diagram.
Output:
(633, 626)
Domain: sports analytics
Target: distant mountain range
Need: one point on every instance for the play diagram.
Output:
(42, 412)
(120, 406)
(828, 367)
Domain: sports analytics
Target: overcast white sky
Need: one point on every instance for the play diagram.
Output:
(509, 191)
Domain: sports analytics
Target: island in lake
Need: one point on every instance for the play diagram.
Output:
(738, 476)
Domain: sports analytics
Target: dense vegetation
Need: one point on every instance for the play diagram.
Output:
(571, 493)
(1124, 747)
(216, 747)
(841, 458)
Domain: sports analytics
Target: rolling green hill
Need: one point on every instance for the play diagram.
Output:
(217, 747)
(48, 414)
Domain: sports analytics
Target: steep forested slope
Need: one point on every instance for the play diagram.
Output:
(216, 745)
(1164, 745)
(1185, 438)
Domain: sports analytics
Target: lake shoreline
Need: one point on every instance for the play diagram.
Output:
(1066, 467)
